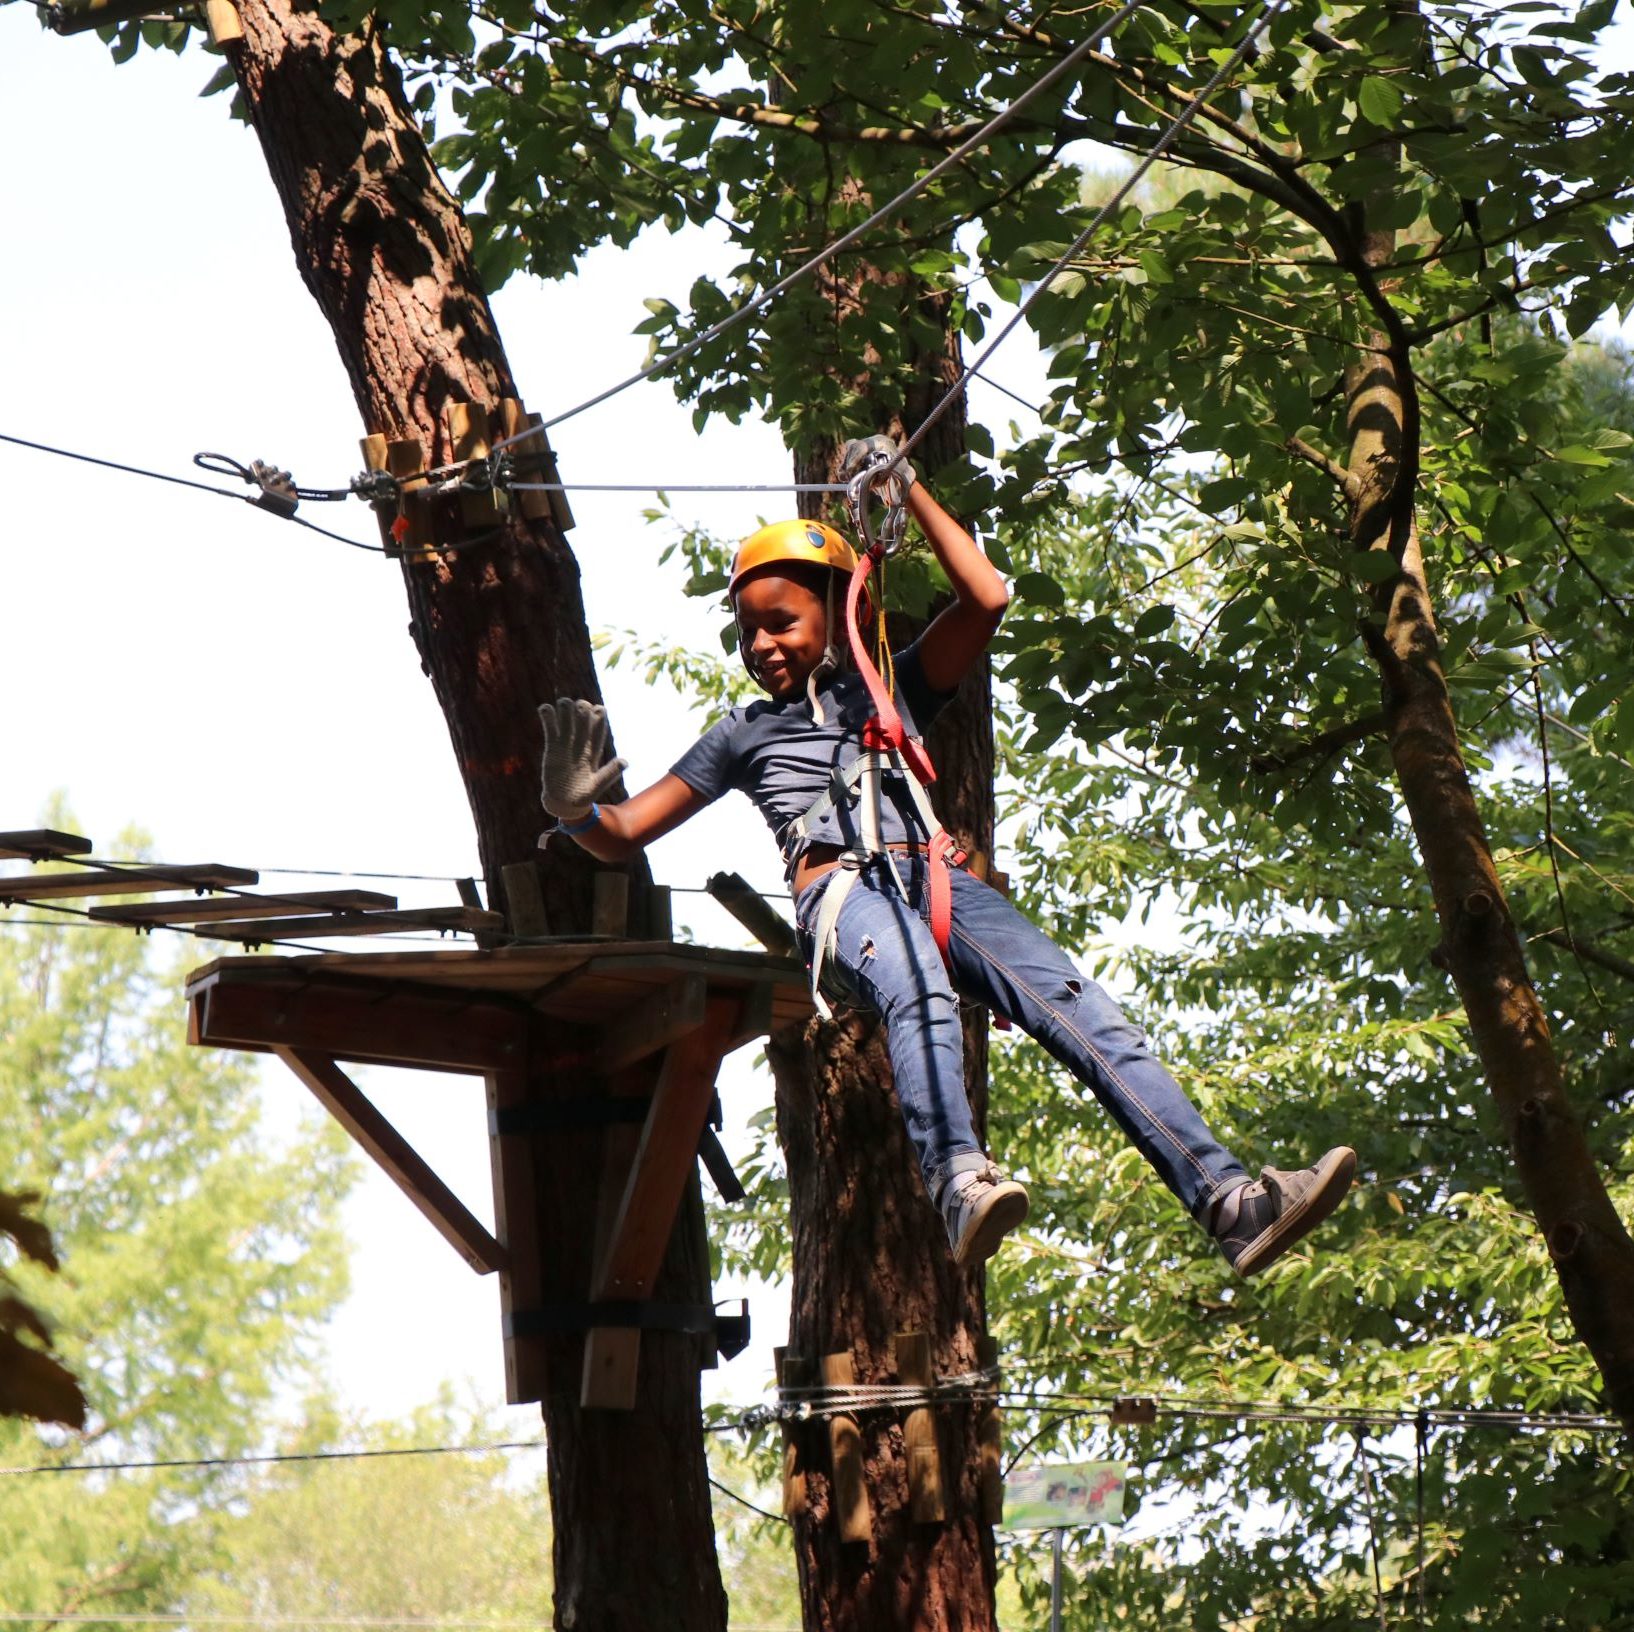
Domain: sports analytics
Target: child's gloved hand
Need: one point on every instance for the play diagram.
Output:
(864, 451)
(576, 771)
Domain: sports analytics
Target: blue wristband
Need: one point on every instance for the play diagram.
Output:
(573, 829)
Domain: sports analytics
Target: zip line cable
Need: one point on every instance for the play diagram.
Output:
(273, 1458)
(757, 1417)
(1174, 129)
(199, 487)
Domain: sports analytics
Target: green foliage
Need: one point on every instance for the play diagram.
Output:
(197, 1258)
(458, 1537)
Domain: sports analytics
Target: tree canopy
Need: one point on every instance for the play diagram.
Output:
(1193, 707)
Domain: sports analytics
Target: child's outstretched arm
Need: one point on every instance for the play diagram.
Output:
(577, 771)
(958, 634)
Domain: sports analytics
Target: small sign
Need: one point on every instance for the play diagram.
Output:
(1063, 1495)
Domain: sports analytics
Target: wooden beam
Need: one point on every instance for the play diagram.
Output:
(638, 1234)
(653, 1023)
(199, 911)
(519, 1168)
(664, 1157)
(123, 881)
(755, 1017)
(402, 1164)
(612, 1354)
(754, 912)
(41, 844)
(362, 1021)
(256, 932)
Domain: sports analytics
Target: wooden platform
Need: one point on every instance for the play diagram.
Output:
(625, 1037)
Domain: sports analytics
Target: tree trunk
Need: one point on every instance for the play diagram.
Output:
(870, 1254)
(500, 627)
(1587, 1241)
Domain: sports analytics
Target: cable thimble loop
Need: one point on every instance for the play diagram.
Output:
(885, 538)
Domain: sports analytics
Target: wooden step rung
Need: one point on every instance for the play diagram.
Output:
(204, 911)
(42, 844)
(123, 881)
(359, 923)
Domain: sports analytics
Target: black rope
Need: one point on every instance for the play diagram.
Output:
(129, 470)
(743, 1501)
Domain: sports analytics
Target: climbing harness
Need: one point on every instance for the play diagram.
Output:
(887, 749)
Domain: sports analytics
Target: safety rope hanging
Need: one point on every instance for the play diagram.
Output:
(886, 746)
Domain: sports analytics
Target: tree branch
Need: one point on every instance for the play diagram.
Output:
(1344, 479)
(1323, 744)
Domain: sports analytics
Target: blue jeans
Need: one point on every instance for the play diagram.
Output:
(886, 959)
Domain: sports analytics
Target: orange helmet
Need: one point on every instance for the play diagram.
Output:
(811, 543)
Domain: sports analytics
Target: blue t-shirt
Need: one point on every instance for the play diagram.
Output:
(778, 755)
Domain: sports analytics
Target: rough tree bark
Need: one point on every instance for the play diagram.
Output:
(1588, 1242)
(500, 627)
(870, 1254)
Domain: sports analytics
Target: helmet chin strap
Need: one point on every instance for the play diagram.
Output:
(829, 661)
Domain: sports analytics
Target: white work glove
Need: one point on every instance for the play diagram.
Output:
(576, 771)
(866, 450)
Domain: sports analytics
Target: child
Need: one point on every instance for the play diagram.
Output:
(790, 753)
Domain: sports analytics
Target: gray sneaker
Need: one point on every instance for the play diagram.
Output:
(1256, 1223)
(980, 1209)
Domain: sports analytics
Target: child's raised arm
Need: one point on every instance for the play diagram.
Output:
(577, 772)
(958, 634)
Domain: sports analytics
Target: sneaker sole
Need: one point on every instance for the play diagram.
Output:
(1006, 1208)
(1333, 1175)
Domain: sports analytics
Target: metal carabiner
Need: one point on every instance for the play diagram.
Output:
(893, 522)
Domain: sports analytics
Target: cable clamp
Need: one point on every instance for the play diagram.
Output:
(278, 492)
(376, 486)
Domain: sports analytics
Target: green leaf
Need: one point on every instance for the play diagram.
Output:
(1379, 101)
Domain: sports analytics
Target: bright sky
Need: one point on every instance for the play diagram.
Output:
(247, 692)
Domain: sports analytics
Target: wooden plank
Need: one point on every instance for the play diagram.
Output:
(849, 1494)
(664, 1158)
(518, 1170)
(525, 898)
(578, 981)
(41, 844)
(198, 911)
(612, 1354)
(927, 1499)
(634, 1241)
(399, 1160)
(221, 17)
(653, 1023)
(467, 424)
(755, 1019)
(364, 923)
(371, 1025)
(123, 881)
(792, 1372)
(610, 905)
(754, 912)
